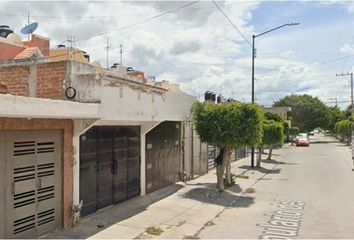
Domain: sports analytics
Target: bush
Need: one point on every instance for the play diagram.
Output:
(343, 129)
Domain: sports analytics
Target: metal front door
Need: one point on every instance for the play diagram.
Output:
(33, 175)
(163, 156)
(126, 163)
(104, 167)
(88, 174)
(109, 166)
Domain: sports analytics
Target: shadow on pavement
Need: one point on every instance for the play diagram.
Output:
(343, 145)
(107, 217)
(225, 198)
(262, 169)
(209, 185)
(272, 161)
(322, 142)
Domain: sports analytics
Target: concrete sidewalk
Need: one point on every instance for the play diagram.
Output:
(178, 211)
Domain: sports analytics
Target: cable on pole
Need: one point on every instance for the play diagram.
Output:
(229, 20)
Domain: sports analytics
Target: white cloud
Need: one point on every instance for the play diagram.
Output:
(195, 46)
(347, 49)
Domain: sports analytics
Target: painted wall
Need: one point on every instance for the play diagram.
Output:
(16, 106)
(126, 103)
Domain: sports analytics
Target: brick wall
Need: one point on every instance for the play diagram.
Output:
(15, 79)
(67, 170)
(38, 41)
(50, 79)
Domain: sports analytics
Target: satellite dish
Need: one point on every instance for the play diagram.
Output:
(30, 28)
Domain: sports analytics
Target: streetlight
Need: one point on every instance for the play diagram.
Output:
(253, 57)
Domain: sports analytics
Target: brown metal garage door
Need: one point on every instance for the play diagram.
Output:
(163, 156)
(109, 166)
(34, 183)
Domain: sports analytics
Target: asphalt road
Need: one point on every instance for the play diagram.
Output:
(309, 194)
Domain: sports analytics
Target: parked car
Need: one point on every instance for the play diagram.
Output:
(327, 133)
(302, 140)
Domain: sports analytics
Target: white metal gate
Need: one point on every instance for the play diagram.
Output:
(33, 163)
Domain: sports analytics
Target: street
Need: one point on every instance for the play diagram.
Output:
(303, 192)
(320, 176)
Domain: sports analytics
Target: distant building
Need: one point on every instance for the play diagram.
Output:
(284, 112)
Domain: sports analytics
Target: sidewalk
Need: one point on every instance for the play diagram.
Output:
(178, 211)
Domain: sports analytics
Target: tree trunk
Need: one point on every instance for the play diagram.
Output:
(228, 165)
(259, 157)
(220, 169)
(270, 152)
(220, 178)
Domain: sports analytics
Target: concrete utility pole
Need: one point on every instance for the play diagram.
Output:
(351, 87)
(107, 48)
(254, 51)
(335, 101)
(121, 54)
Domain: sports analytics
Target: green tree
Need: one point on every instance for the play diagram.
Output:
(228, 126)
(348, 111)
(308, 112)
(273, 133)
(273, 116)
(344, 130)
(335, 115)
(293, 132)
(277, 118)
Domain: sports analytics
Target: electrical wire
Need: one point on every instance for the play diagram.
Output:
(141, 22)
(112, 16)
(346, 60)
(229, 20)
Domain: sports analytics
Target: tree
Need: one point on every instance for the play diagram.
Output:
(307, 112)
(293, 132)
(286, 131)
(349, 111)
(273, 116)
(273, 133)
(277, 118)
(335, 115)
(344, 130)
(228, 126)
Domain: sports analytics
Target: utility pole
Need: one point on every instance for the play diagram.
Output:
(351, 87)
(28, 22)
(335, 101)
(121, 54)
(107, 48)
(253, 57)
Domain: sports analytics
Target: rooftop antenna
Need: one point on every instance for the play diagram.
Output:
(107, 48)
(121, 54)
(28, 22)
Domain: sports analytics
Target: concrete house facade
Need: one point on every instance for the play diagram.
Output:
(75, 138)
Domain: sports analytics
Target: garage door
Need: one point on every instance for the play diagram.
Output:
(163, 156)
(33, 179)
(109, 166)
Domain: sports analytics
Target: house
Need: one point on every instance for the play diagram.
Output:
(76, 138)
(284, 112)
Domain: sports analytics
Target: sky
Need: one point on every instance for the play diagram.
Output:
(193, 44)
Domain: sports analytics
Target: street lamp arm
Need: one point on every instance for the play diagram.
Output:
(271, 30)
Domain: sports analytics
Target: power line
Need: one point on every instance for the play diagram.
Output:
(346, 60)
(141, 22)
(113, 16)
(228, 19)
